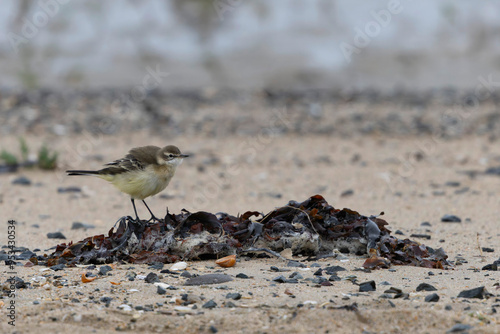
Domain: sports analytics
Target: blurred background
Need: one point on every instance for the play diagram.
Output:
(327, 44)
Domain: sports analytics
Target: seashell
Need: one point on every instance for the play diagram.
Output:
(179, 266)
(226, 262)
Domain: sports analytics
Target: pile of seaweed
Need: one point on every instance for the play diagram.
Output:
(311, 228)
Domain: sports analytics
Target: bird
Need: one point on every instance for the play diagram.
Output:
(143, 172)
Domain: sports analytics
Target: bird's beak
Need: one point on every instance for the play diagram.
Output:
(184, 155)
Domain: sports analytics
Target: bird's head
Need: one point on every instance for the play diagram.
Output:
(170, 155)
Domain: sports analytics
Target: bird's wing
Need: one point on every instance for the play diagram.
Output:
(137, 159)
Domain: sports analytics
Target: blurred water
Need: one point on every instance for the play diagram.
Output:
(229, 43)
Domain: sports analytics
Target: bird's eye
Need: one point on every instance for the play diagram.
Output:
(170, 155)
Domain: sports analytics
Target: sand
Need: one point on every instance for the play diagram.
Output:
(406, 178)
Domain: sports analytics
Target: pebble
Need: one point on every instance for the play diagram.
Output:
(479, 293)
(425, 287)
(125, 307)
(104, 270)
(79, 226)
(152, 278)
(156, 266)
(55, 235)
(160, 290)
(72, 189)
(210, 304)
(487, 249)
(433, 297)
(234, 296)
(58, 267)
(459, 328)
(333, 270)
(367, 286)
(22, 180)
(295, 264)
(422, 236)
(347, 193)
(179, 266)
(243, 276)
(208, 279)
(450, 219)
(399, 232)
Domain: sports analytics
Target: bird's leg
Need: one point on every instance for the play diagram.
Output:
(152, 215)
(135, 210)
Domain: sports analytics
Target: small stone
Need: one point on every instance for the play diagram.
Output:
(234, 296)
(487, 249)
(22, 180)
(280, 279)
(367, 286)
(210, 304)
(106, 300)
(422, 236)
(208, 279)
(425, 224)
(152, 278)
(72, 189)
(479, 293)
(125, 307)
(55, 235)
(295, 264)
(448, 308)
(451, 219)
(243, 276)
(156, 265)
(296, 275)
(160, 290)
(213, 329)
(318, 272)
(186, 274)
(459, 328)
(179, 266)
(425, 287)
(333, 270)
(347, 193)
(36, 302)
(273, 268)
(452, 184)
(433, 297)
(104, 270)
(399, 232)
(58, 267)
(81, 226)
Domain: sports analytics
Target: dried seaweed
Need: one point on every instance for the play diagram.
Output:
(312, 227)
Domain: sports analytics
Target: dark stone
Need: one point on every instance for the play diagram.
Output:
(104, 270)
(422, 236)
(58, 267)
(243, 276)
(487, 249)
(367, 286)
(208, 279)
(151, 278)
(425, 224)
(55, 235)
(393, 290)
(318, 272)
(71, 189)
(333, 270)
(433, 297)
(347, 193)
(156, 266)
(452, 184)
(273, 268)
(479, 293)
(106, 300)
(186, 274)
(22, 180)
(459, 328)
(425, 287)
(234, 296)
(79, 225)
(213, 329)
(451, 219)
(210, 304)
(334, 278)
(280, 279)
(295, 264)
(296, 275)
(399, 232)
(160, 290)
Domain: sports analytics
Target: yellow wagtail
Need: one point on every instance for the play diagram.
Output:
(143, 172)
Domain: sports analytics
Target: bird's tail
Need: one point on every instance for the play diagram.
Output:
(82, 172)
